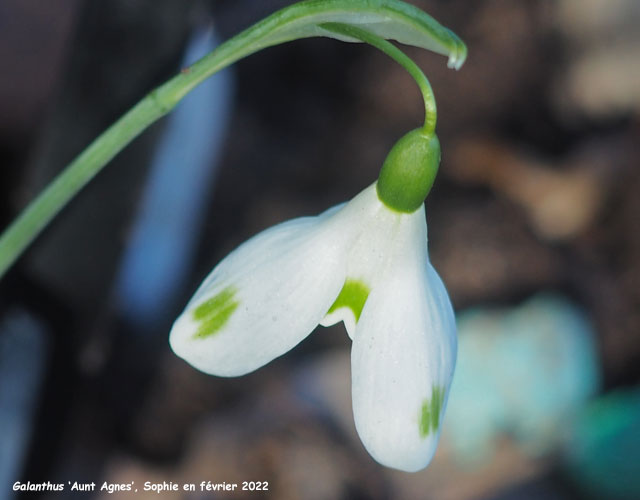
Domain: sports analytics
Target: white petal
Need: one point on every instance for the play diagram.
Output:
(264, 297)
(403, 356)
(375, 228)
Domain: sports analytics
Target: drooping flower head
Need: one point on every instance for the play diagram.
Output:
(365, 263)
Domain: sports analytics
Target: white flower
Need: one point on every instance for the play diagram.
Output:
(362, 263)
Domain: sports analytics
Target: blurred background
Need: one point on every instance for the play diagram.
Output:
(534, 226)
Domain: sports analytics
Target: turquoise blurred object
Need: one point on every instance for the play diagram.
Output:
(524, 372)
(602, 453)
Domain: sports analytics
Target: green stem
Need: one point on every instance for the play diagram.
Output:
(392, 18)
(430, 111)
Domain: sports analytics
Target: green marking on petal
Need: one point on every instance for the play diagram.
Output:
(214, 313)
(430, 412)
(437, 398)
(425, 419)
(353, 295)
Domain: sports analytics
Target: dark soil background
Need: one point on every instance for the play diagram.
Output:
(538, 190)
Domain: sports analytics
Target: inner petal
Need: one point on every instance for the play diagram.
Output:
(348, 305)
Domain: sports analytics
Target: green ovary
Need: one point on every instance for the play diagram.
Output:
(409, 171)
(214, 313)
(353, 295)
(430, 412)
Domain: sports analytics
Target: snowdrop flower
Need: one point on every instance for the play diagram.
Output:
(364, 263)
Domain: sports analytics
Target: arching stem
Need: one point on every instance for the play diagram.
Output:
(430, 111)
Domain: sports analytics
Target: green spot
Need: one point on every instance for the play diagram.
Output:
(430, 412)
(353, 295)
(214, 313)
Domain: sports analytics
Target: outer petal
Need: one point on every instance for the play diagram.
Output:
(403, 356)
(263, 298)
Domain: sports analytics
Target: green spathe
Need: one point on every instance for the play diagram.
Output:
(214, 313)
(388, 19)
(409, 170)
(430, 412)
(353, 295)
